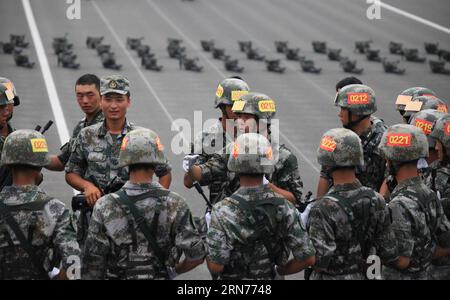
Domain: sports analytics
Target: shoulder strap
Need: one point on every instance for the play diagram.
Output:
(5, 213)
(122, 197)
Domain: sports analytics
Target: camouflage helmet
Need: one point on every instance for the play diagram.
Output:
(251, 153)
(257, 104)
(441, 130)
(403, 143)
(10, 86)
(25, 147)
(424, 102)
(230, 90)
(340, 147)
(6, 96)
(141, 146)
(425, 120)
(410, 93)
(359, 99)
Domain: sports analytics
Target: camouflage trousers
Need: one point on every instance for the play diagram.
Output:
(393, 274)
(440, 273)
(322, 276)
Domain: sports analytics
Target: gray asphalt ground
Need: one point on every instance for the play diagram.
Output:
(304, 101)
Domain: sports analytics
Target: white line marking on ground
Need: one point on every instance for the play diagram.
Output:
(196, 47)
(415, 17)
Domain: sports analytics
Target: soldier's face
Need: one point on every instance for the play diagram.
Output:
(115, 106)
(440, 150)
(88, 98)
(246, 123)
(5, 112)
(343, 116)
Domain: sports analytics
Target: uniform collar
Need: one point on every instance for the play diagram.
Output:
(346, 186)
(102, 131)
(96, 119)
(19, 194)
(141, 186)
(413, 181)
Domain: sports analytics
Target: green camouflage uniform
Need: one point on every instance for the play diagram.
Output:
(339, 252)
(83, 123)
(417, 231)
(231, 242)
(5, 175)
(49, 229)
(109, 249)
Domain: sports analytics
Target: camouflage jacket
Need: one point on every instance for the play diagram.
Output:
(419, 224)
(286, 174)
(5, 174)
(339, 248)
(95, 153)
(83, 123)
(439, 181)
(232, 241)
(372, 174)
(109, 249)
(50, 231)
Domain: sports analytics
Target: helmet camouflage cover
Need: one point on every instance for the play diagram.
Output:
(257, 104)
(10, 86)
(141, 146)
(425, 120)
(410, 93)
(340, 147)
(359, 99)
(251, 153)
(441, 130)
(424, 102)
(25, 147)
(403, 143)
(230, 90)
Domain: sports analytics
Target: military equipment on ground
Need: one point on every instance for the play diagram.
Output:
(444, 54)
(143, 50)
(109, 61)
(22, 60)
(292, 54)
(67, 60)
(244, 46)
(273, 65)
(232, 65)
(218, 53)
(432, 48)
(134, 43)
(334, 54)
(308, 66)
(92, 42)
(103, 48)
(373, 55)
(281, 46)
(438, 67)
(149, 62)
(362, 46)
(253, 54)
(349, 66)
(390, 66)
(396, 48)
(191, 64)
(175, 49)
(319, 47)
(413, 55)
(207, 46)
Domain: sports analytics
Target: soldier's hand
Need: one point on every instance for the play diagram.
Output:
(92, 194)
(189, 161)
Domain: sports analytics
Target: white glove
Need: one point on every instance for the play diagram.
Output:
(277, 275)
(208, 219)
(189, 161)
(265, 181)
(305, 214)
(53, 273)
(171, 273)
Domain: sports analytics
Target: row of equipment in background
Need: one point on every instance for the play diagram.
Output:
(16, 47)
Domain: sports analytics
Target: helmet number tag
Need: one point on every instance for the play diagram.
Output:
(358, 98)
(238, 106)
(39, 145)
(266, 106)
(426, 126)
(447, 128)
(219, 91)
(403, 100)
(236, 95)
(328, 144)
(442, 108)
(399, 139)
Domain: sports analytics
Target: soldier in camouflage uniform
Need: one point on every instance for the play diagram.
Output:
(420, 226)
(141, 231)
(407, 95)
(351, 221)
(35, 229)
(253, 231)
(207, 164)
(358, 103)
(93, 166)
(439, 181)
(87, 90)
(424, 120)
(254, 113)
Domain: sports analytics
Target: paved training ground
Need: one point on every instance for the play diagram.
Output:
(305, 101)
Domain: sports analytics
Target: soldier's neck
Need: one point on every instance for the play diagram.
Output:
(4, 130)
(433, 156)
(406, 172)
(343, 176)
(115, 126)
(141, 176)
(24, 177)
(362, 126)
(250, 181)
(90, 117)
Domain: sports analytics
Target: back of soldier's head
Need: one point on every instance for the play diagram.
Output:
(347, 81)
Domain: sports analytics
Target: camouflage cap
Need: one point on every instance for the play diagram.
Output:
(359, 99)
(441, 130)
(251, 153)
(257, 104)
(403, 143)
(114, 84)
(10, 86)
(410, 93)
(25, 147)
(424, 102)
(141, 146)
(340, 147)
(6, 96)
(425, 120)
(230, 90)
